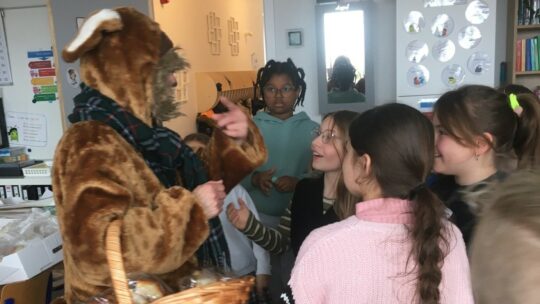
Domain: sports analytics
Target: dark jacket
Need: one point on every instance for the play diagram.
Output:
(307, 211)
(454, 196)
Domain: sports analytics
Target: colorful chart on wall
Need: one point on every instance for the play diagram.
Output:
(437, 3)
(453, 75)
(479, 63)
(417, 51)
(414, 23)
(417, 76)
(442, 26)
(43, 76)
(444, 50)
(477, 12)
(469, 37)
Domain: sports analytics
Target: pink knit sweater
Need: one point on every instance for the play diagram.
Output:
(363, 260)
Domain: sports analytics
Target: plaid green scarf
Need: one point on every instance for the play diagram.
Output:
(163, 151)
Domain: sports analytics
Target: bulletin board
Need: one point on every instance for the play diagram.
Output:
(31, 106)
(442, 45)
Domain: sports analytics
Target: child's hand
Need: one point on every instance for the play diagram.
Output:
(210, 196)
(263, 180)
(238, 217)
(286, 183)
(234, 122)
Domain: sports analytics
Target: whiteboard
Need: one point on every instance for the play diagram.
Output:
(31, 105)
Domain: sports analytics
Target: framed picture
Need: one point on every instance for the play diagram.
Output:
(295, 37)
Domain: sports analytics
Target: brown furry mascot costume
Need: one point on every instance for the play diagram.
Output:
(117, 163)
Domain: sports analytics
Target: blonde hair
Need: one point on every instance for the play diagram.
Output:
(344, 205)
(505, 250)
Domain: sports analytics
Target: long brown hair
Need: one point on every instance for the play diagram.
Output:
(400, 142)
(471, 111)
(345, 201)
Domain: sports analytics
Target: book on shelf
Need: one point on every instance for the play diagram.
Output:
(519, 55)
(524, 55)
(527, 12)
(527, 54)
(520, 13)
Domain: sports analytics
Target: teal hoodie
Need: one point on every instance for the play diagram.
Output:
(289, 151)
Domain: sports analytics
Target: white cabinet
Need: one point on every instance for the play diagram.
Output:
(439, 48)
(24, 187)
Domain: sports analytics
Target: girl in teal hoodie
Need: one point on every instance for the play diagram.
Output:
(288, 140)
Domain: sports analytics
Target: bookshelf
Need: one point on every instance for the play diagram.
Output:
(522, 73)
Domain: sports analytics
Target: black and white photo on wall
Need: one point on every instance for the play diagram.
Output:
(295, 37)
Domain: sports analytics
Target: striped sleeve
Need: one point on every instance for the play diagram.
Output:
(277, 240)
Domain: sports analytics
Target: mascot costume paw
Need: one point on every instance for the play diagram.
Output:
(116, 161)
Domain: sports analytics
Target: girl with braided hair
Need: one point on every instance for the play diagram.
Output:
(287, 137)
(398, 247)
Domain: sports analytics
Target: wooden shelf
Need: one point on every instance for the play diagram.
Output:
(46, 180)
(528, 27)
(515, 32)
(528, 73)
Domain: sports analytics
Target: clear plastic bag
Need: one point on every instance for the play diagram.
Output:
(202, 277)
(39, 223)
(144, 288)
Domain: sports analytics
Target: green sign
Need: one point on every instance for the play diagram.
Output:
(48, 89)
(44, 97)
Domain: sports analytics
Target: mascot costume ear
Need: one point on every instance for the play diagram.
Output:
(126, 57)
(91, 33)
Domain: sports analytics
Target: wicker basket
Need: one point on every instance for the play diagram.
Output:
(234, 291)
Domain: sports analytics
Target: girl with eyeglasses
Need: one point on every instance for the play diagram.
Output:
(287, 137)
(317, 201)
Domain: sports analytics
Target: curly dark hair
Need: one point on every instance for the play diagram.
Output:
(282, 68)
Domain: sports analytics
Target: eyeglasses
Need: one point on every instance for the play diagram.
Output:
(326, 136)
(286, 90)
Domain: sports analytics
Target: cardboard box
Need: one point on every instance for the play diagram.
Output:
(37, 256)
(29, 291)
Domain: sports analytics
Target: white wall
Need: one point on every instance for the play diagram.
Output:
(19, 3)
(40, 123)
(185, 23)
(284, 14)
(281, 15)
(500, 43)
(384, 61)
